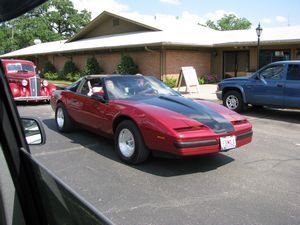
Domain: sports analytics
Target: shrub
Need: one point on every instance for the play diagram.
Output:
(92, 67)
(202, 80)
(170, 81)
(49, 68)
(208, 79)
(72, 76)
(212, 79)
(127, 66)
(69, 67)
(51, 76)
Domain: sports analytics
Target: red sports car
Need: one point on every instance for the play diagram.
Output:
(145, 116)
(25, 84)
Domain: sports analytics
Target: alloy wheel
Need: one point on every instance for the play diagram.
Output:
(126, 142)
(60, 118)
(232, 102)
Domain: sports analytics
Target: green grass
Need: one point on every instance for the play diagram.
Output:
(60, 82)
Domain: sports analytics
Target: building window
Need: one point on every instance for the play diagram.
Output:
(116, 22)
(273, 55)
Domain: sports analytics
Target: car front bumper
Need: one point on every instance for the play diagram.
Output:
(219, 95)
(32, 98)
(209, 146)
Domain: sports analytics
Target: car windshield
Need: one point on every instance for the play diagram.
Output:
(123, 87)
(16, 67)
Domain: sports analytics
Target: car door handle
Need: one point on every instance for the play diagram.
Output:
(280, 85)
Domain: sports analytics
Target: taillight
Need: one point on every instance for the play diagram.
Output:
(238, 122)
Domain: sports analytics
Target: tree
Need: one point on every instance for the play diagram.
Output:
(92, 66)
(8, 43)
(64, 19)
(54, 20)
(229, 22)
(49, 68)
(127, 66)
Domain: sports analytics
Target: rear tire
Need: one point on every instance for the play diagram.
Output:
(62, 119)
(129, 143)
(233, 100)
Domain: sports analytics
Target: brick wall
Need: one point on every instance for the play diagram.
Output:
(176, 59)
(148, 61)
(108, 61)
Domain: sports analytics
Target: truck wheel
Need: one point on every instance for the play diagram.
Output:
(62, 119)
(129, 143)
(234, 101)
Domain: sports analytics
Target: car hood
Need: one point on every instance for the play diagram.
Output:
(236, 79)
(21, 75)
(176, 109)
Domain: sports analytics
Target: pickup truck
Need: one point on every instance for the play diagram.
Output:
(276, 85)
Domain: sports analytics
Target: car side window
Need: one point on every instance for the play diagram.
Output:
(86, 87)
(73, 87)
(96, 87)
(293, 72)
(272, 72)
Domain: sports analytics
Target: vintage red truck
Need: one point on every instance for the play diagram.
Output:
(24, 81)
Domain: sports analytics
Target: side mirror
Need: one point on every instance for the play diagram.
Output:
(98, 97)
(34, 131)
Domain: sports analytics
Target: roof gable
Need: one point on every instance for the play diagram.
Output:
(108, 24)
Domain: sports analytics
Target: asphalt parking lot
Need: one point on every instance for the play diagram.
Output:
(256, 184)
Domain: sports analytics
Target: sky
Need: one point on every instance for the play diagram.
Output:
(275, 13)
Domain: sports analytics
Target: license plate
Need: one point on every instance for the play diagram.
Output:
(227, 143)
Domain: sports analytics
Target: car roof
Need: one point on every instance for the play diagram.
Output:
(287, 62)
(110, 75)
(16, 60)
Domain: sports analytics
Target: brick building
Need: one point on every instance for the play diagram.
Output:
(161, 48)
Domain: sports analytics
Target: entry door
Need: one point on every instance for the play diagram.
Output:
(236, 64)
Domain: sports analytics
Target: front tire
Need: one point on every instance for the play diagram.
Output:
(234, 101)
(129, 143)
(62, 119)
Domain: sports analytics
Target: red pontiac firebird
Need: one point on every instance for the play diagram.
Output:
(145, 116)
(25, 84)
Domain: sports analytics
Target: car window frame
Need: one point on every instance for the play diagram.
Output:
(12, 140)
(26, 172)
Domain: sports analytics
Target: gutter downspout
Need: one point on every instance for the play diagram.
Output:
(162, 52)
(162, 64)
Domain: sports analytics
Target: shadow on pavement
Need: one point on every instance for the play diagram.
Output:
(285, 115)
(28, 104)
(157, 166)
